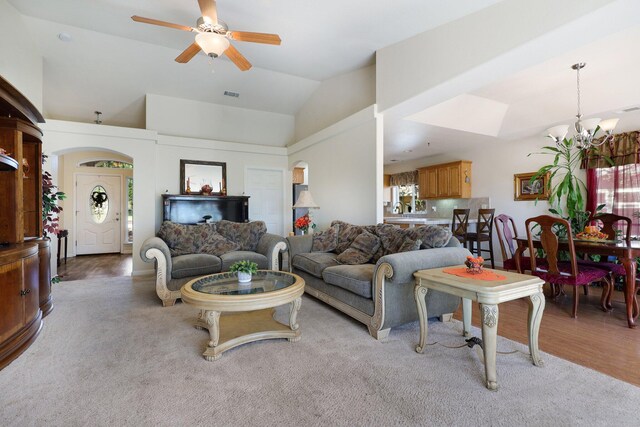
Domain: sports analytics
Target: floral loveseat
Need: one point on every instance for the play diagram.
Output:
(184, 252)
(367, 271)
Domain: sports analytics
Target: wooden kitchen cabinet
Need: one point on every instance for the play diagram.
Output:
(445, 181)
(298, 176)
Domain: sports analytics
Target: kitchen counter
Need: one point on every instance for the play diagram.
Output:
(412, 222)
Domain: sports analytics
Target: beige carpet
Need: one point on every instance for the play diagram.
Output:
(109, 354)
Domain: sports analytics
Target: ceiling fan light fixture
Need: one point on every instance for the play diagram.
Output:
(212, 44)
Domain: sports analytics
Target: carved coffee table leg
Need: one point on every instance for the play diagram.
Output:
(293, 315)
(536, 308)
(489, 340)
(212, 319)
(420, 293)
(466, 317)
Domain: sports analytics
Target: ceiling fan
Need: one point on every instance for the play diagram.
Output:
(213, 36)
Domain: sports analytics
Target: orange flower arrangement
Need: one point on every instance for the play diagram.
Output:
(474, 265)
(304, 222)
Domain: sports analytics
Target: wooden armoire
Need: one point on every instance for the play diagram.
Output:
(25, 275)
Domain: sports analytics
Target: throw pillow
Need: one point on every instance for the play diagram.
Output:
(410, 245)
(177, 238)
(432, 236)
(348, 233)
(247, 235)
(326, 241)
(361, 250)
(218, 245)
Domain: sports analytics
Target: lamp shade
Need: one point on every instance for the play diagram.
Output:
(557, 133)
(608, 125)
(305, 201)
(212, 44)
(590, 125)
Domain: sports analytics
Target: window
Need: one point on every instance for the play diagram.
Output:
(619, 189)
(129, 210)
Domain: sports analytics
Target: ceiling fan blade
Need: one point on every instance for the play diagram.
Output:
(161, 23)
(245, 36)
(188, 53)
(208, 9)
(237, 58)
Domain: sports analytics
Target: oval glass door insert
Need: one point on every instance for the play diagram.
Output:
(98, 204)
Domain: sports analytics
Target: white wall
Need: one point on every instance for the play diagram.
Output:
(195, 119)
(489, 44)
(238, 157)
(335, 99)
(66, 137)
(343, 167)
(492, 176)
(20, 60)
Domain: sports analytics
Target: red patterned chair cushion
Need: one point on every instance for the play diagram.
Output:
(616, 269)
(585, 275)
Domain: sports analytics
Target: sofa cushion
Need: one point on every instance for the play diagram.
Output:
(346, 236)
(185, 239)
(246, 234)
(230, 257)
(432, 236)
(361, 250)
(218, 245)
(410, 245)
(314, 263)
(353, 278)
(194, 265)
(326, 241)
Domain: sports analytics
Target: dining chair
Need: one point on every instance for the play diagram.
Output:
(507, 233)
(559, 273)
(608, 221)
(483, 233)
(459, 225)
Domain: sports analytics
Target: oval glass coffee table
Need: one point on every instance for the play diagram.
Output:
(248, 307)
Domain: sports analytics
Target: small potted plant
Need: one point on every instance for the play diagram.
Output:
(244, 269)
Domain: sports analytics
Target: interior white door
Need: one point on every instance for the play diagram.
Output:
(266, 190)
(98, 204)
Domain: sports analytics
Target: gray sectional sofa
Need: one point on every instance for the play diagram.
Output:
(380, 291)
(183, 252)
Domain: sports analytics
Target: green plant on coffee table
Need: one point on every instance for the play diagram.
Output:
(244, 266)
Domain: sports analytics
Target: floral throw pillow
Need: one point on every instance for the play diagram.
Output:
(410, 245)
(247, 235)
(326, 241)
(432, 236)
(217, 245)
(361, 250)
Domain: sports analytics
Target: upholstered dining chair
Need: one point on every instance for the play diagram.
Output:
(459, 225)
(507, 233)
(560, 273)
(483, 233)
(608, 221)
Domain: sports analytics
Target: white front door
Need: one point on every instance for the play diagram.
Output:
(265, 188)
(98, 204)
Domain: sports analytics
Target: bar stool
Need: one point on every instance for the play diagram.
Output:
(459, 225)
(483, 233)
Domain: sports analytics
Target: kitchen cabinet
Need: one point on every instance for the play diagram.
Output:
(445, 181)
(298, 176)
(386, 189)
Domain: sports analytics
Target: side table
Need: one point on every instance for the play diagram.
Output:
(62, 234)
(488, 294)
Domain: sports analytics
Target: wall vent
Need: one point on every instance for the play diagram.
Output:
(628, 110)
(232, 94)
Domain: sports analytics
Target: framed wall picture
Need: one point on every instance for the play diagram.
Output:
(526, 189)
(200, 177)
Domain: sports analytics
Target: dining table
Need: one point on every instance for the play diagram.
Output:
(625, 251)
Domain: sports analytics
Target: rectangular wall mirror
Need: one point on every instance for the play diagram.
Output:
(195, 175)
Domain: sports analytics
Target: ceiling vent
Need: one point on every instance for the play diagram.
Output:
(232, 94)
(629, 110)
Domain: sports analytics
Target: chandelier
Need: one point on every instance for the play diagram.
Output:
(585, 130)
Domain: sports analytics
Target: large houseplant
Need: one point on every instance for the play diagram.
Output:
(565, 187)
(50, 198)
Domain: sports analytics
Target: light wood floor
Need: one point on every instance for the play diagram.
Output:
(597, 340)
